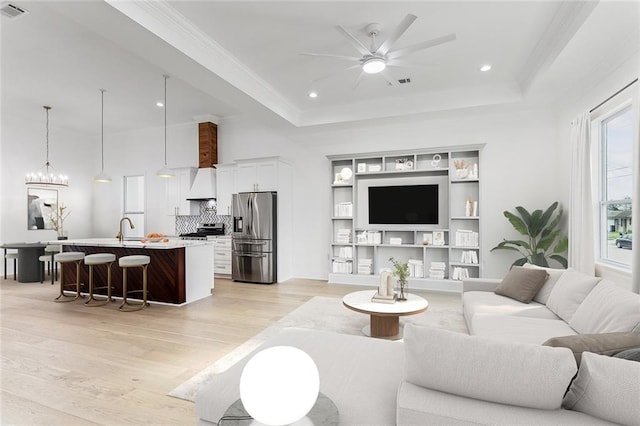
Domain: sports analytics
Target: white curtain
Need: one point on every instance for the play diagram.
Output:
(635, 215)
(581, 242)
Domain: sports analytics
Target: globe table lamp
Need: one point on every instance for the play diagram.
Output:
(279, 385)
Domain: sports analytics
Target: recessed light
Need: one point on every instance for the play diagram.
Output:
(159, 104)
(485, 68)
(313, 95)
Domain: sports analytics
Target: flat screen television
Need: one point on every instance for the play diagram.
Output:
(403, 205)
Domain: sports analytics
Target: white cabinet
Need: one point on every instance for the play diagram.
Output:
(257, 176)
(177, 191)
(222, 257)
(226, 187)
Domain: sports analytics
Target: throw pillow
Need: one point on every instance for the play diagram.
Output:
(521, 283)
(603, 344)
(511, 373)
(554, 275)
(607, 388)
(606, 309)
(569, 292)
(630, 354)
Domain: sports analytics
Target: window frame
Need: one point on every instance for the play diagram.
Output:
(608, 111)
(133, 213)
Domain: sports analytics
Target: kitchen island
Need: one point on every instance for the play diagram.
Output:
(180, 271)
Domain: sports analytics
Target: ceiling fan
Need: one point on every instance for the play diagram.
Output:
(375, 59)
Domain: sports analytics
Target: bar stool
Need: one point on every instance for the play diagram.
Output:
(47, 257)
(135, 261)
(68, 257)
(92, 260)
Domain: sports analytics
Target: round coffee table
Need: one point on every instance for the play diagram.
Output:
(385, 317)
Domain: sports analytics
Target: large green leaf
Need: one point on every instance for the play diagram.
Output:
(526, 216)
(555, 220)
(536, 223)
(516, 222)
(548, 213)
(520, 261)
(539, 259)
(545, 243)
(560, 259)
(562, 246)
(508, 243)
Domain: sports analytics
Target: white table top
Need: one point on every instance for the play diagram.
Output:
(361, 301)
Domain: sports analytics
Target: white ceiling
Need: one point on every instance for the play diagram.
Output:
(236, 56)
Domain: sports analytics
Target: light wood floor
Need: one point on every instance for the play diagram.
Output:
(68, 364)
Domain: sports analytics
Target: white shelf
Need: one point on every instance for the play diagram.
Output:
(453, 194)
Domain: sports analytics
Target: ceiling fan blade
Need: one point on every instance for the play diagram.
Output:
(354, 41)
(334, 73)
(392, 82)
(358, 80)
(407, 64)
(325, 55)
(396, 34)
(424, 45)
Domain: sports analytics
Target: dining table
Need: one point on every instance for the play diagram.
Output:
(28, 260)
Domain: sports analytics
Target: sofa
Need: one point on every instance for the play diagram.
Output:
(436, 376)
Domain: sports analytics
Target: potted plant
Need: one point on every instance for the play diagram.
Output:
(544, 240)
(57, 218)
(401, 272)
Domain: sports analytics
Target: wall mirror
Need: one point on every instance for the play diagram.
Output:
(41, 208)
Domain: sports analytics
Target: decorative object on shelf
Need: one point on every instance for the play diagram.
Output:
(395, 241)
(544, 236)
(401, 272)
(102, 177)
(435, 160)
(279, 385)
(375, 167)
(165, 172)
(46, 176)
(427, 238)
(386, 293)
(471, 208)
(362, 167)
(438, 238)
(57, 217)
(40, 203)
(346, 174)
(473, 174)
(408, 164)
(462, 169)
(400, 164)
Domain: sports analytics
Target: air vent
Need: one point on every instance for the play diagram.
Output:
(404, 80)
(12, 11)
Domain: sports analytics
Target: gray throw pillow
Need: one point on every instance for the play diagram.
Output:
(630, 354)
(601, 343)
(522, 284)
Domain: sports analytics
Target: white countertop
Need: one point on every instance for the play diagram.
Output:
(173, 243)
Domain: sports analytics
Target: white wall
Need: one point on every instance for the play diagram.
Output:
(520, 166)
(24, 150)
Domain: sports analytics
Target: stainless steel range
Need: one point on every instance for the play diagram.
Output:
(205, 231)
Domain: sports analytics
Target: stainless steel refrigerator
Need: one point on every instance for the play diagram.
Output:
(254, 238)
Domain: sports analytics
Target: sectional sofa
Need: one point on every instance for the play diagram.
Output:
(503, 374)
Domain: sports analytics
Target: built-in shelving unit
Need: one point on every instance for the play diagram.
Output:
(439, 255)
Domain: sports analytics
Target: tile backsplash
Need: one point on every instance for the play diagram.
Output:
(208, 214)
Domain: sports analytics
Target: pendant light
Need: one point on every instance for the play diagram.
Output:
(46, 176)
(102, 177)
(165, 172)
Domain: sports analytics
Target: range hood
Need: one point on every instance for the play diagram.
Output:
(204, 185)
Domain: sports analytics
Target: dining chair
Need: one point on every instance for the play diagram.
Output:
(11, 255)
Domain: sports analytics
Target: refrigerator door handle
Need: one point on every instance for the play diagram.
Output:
(257, 243)
(249, 255)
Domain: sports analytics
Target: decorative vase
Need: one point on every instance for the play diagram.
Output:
(62, 235)
(401, 296)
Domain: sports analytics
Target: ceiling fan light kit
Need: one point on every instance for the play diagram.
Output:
(375, 59)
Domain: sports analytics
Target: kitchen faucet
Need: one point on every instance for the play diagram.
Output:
(120, 236)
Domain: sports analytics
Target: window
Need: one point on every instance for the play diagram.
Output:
(134, 206)
(614, 131)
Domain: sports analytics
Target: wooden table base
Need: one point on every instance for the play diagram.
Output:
(386, 327)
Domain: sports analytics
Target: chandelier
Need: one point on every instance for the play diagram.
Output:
(46, 175)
